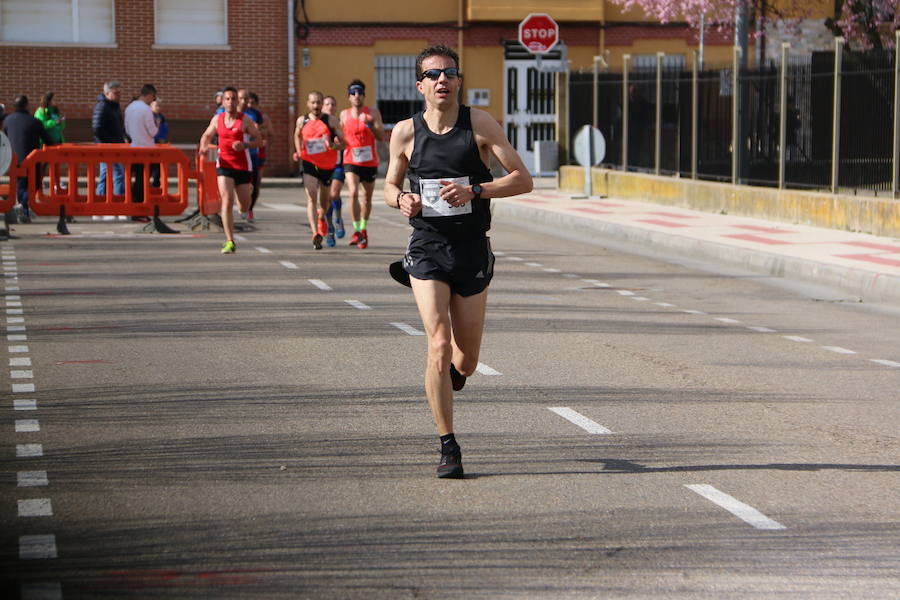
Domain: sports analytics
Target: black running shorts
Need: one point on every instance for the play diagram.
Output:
(323, 175)
(365, 174)
(466, 265)
(240, 177)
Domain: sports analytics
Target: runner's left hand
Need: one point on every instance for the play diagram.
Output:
(455, 194)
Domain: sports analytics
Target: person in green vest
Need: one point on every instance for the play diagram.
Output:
(54, 124)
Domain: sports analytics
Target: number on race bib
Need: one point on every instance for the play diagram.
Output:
(432, 203)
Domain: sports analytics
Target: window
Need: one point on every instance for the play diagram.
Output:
(398, 97)
(191, 22)
(57, 21)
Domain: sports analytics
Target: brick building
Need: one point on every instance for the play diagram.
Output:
(188, 49)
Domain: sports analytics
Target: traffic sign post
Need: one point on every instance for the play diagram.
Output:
(590, 150)
(539, 33)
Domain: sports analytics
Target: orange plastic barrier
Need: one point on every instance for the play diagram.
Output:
(208, 201)
(8, 190)
(65, 162)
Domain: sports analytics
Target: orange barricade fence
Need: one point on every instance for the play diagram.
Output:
(8, 190)
(208, 201)
(64, 194)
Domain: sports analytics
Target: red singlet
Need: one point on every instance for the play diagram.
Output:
(229, 158)
(360, 140)
(316, 138)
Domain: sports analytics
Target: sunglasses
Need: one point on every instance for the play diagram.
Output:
(434, 74)
(357, 93)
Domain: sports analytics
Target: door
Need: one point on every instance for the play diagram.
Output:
(529, 114)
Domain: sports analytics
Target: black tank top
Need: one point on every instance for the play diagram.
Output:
(453, 154)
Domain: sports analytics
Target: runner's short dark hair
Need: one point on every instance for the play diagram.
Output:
(439, 50)
(357, 83)
(21, 102)
(229, 88)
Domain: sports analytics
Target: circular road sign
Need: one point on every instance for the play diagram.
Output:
(589, 136)
(538, 32)
(5, 153)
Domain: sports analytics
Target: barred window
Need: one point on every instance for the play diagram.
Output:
(398, 97)
(57, 21)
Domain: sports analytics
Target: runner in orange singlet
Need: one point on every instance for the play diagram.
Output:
(317, 140)
(362, 126)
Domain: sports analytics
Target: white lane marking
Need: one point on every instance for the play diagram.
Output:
(408, 329)
(15, 328)
(13, 297)
(796, 338)
(263, 250)
(624, 293)
(24, 404)
(14, 311)
(16, 337)
(287, 264)
(579, 419)
(839, 350)
(321, 285)
(35, 507)
(761, 329)
(571, 276)
(745, 512)
(533, 264)
(887, 363)
(12, 288)
(665, 304)
(358, 304)
(20, 362)
(15, 320)
(486, 370)
(514, 258)
(32, 478)
(27, 425)
(17, 349)
(29, 450)
(22, 388)
(693, 312)
(596, 283)
(12, 302)
(37, 546)
(41, 591)
(240, 238)
(21, 374)
(499, 253)
(286, 207)
(640, 299)
(726, 320)
(549, 270)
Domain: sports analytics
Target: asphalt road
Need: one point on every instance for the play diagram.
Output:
(254, 425)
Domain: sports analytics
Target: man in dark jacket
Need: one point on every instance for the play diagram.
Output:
(25, 134)
(109, 128)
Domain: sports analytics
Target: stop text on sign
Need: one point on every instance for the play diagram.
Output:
(538, 33)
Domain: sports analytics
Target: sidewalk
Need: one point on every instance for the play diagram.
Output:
(860, 264)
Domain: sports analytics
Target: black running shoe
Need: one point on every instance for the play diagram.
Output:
(399, 273)
(457, 379)
(450, 466)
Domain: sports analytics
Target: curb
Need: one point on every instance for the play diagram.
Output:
(865, 285)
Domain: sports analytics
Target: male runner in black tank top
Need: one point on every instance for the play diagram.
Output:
(446, 150)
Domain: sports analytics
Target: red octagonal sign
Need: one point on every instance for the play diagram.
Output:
(538, 32)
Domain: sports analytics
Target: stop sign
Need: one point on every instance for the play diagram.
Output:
(538, 32)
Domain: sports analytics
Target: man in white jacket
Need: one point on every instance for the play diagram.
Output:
(141, 128)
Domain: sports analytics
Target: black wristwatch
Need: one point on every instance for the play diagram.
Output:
(476, 189)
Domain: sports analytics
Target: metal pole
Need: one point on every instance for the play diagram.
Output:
(782, 121)
(625, 60)
(836, 114)
(702, 35)
(595, 93)
(695, 88)
(895, 187)
(735, 115)
(658, 134)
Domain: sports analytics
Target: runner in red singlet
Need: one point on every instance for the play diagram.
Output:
(233, 166)
(317, 140)
(362, 126)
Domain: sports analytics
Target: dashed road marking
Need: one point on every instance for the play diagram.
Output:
(839, 350)
(20, 362)
(408, 329)
(41, 591)
(17, 349)
(533, 264)
(640, 298)
(664, 304)
(25, 404)
(886, 363)
(262, 250)
(287, 264)
(727, 320)
(33, 547)
(514, 258)
(27, 425)
(796, 338)
(29, 450)
(321, 285)
(358, 305)
(22, 388)
(624, 293)
(761, 329)
(551, 270)
(486, 370)
(21, 374)
(745, 512)
(579, 419)
(693, 312)
(32, 478)
(35, 507)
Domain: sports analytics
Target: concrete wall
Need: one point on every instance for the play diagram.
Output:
(878, 216)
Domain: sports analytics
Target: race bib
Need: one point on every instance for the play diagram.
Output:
(316, 146)
(433, 205)
(362, 154)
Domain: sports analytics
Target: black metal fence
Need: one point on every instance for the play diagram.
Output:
(866, 118)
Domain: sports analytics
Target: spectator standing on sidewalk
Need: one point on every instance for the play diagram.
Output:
(54, 123)
(140, 125)
(446, 152)
(109, 128)
(25, 134)
(161, 137)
